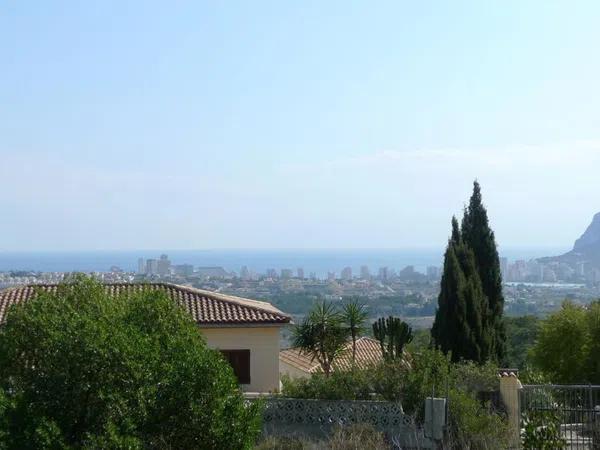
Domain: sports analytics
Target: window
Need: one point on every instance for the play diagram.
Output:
(240, 362)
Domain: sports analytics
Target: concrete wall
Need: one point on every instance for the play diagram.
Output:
(263, 343)
(292, 371)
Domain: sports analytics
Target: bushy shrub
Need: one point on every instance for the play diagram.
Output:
(472, 425)
(532, 375)
(568, 344)
(382, 382)
(542, 431)
(474, 378)
(389, 379)
(82, 369)
(429, 375)
(340, 385)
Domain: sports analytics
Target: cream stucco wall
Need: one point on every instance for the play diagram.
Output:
(263, 343)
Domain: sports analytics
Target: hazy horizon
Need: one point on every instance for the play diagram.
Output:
(305, 125)
(320, 261)
(275, 249)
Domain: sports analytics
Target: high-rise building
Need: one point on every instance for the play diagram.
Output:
(272, 273)
(164, 265)
(151, 267)
(244, 273)
(141, 266)
(347, 273)
(286, 274)
(504, 266)
(383, 273)
(433, 273)
(300, 273)
(331, 276)
(364, 272)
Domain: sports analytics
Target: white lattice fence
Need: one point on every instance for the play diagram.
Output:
(317, 418)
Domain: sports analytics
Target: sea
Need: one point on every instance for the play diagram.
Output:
(318, 261)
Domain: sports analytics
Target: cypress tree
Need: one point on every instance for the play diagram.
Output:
(459, 325)
(477, 234)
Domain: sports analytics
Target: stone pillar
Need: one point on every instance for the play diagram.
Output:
(509, 392)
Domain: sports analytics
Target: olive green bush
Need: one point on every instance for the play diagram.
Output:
(473, 424)
(340, 385)
(82, 369)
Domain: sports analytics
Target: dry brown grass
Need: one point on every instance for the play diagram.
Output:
(353, 437)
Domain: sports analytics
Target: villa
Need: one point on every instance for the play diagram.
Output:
(246, 331)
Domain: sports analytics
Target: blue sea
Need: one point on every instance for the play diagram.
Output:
(317, 261)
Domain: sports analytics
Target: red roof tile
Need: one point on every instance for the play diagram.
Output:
(206, 308)
(368, 353)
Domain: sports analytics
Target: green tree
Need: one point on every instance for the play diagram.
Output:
(82, 369)
(459, 325)
(592, 366)
(354, 316)
(322, 335)
(567, 344)
(477, 235)
(393, 334)
(521, 333)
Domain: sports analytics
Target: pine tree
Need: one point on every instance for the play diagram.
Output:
(459, 326)
(477, 234)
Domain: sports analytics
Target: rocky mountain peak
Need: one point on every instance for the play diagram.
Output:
(591, 237)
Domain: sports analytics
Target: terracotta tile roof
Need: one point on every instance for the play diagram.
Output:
(207, 308)
(368, 353)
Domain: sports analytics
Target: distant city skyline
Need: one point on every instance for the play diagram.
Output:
(362, 263)
(246, 125)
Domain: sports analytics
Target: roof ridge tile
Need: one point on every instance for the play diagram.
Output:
(206, 307)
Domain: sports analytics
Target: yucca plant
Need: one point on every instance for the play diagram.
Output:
(322, 335)
(355, 317)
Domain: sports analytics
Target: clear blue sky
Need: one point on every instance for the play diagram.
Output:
(131, 125)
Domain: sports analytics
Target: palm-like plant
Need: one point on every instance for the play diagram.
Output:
(355, 316)
(321, 335)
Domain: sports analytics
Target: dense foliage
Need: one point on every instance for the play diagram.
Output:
(459, 326)
(521, 333)
(339, 385)
(468, 322)
(478, 236)
(568, 344)
(542, 431)
(82, 369)
(473, 424)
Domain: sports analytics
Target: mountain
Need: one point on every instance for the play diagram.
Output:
(586, 248)
(590, 240)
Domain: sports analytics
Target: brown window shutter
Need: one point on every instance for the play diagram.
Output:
(239, 360)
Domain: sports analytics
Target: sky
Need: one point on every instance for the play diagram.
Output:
(310, 124)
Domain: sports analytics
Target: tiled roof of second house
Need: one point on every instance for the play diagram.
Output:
(205, 307)
(368, 353)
